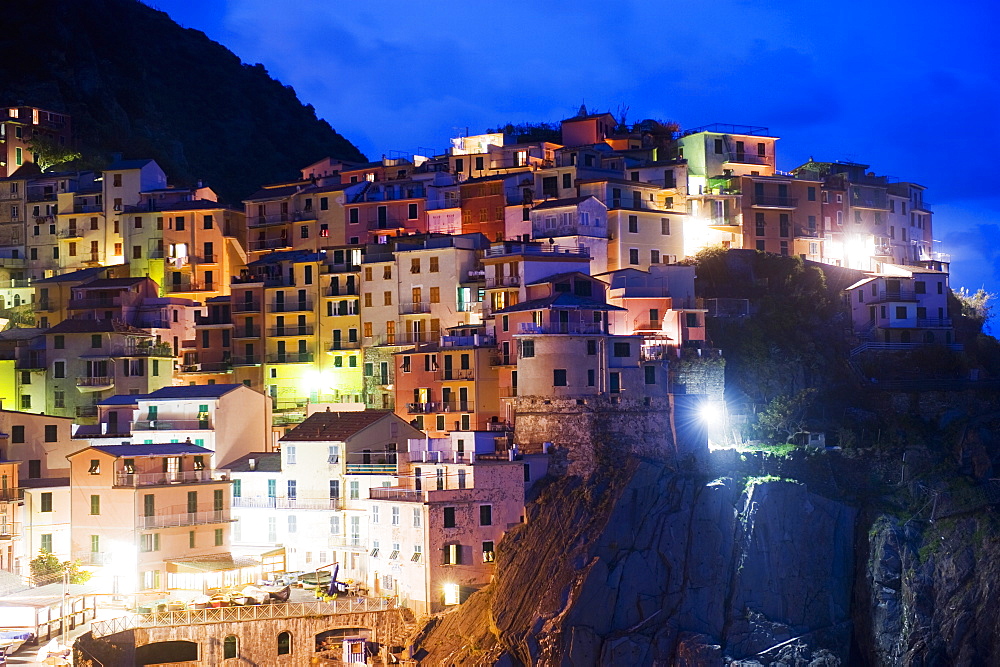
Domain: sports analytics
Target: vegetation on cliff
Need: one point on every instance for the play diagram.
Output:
(137, 83)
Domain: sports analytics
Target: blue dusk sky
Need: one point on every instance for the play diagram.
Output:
(911, 88)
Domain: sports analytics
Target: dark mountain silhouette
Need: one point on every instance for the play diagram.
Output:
(139, 84)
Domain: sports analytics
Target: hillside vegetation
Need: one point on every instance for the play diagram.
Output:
(137, 83)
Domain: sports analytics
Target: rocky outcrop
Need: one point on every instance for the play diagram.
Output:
(930, 591)
(646, 566)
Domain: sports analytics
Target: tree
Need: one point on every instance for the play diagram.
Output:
(50, 153)
(976, 307)
(785, 415)
(46, 569)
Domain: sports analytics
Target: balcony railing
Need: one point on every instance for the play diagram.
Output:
(71, 233)
(507, 249)
(30, 360)
(585, 328)
(246, 360)
(246, 332)
(134, 479)
(246, 306)
(503, 281)
(171, 424)
(264, 502)
(293, 330)
(423, 408)
(96, 558)
(95, 381)
(749, 158)
(371, 468)
(342, 290)
(152, 350)
(10, 530)
(344, 345)
(184, 519)
(397, 493)
(269, 244)
(456, 374)
(775, 202)
(933, 322)
(291, 306)
(207, 367)
(290, 358)
(414, 308)
(897, 295)
(341, 268)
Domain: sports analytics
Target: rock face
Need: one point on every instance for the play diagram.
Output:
(930, 592)
(646, 566)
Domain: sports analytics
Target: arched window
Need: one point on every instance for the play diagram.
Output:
(230, 647)
(284, 643)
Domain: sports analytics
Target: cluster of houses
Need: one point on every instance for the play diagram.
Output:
(368, 365)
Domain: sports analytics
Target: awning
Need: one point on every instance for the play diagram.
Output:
(210, 563)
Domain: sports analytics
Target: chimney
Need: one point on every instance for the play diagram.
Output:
(253, 464)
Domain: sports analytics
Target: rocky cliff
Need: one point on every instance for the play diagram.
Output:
(643, 565)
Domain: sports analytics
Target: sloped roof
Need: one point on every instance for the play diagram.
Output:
(122, 399)
(557, 203)
(193, 391)
(335, 426)
(163, 449)
(95, 326)
(74, 276)
(263, 462)
(105, 283)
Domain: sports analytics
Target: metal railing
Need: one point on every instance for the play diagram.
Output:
(291, 306)
(562, 328)
(933, 322)
(95, 381)
(183, 519)
(503, 281)
(290, 358)
(246, 360)
(171, 424)
(94, 557)
(396, 493)
(207, 367)
(246, 306)
(246, 332)
(414, 308)
(292, 330)
(775, 202)
(371, 468)
(133, 479)
(456, 374)
(749, 158)
(266, 502)
(269, 244)
(344, 345)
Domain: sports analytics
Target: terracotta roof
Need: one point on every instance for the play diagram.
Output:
(334, 426)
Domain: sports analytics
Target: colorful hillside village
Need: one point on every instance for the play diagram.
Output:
(372, 365)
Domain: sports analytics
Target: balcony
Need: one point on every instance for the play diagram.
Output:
(94, 558)
(342, 290)
(207, 367)
(33, 360)
(344, 345)
(246, 332)
(84, 304)
(171, 425)
(344, 542)
(503, 281)
(761, 201)
(246, 306)
(184, 519)
(268, 220)
(71, 233)
(896, 295)
(246, 360)
(578, 328)
(423, 408)
(95, 383)
(265, 502)
(290, 358)
(749, 158)
(509, 249)
(150, 350)
(291, 306)
(933, 323)
(371, 468)
(397, 493)
(420, 308)
(133, 480)
(341, 268)
(10, 530)
(447, 374)
(294, 330)
(87, 411)
(456, 406)
(211, 319)
(269, 244)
